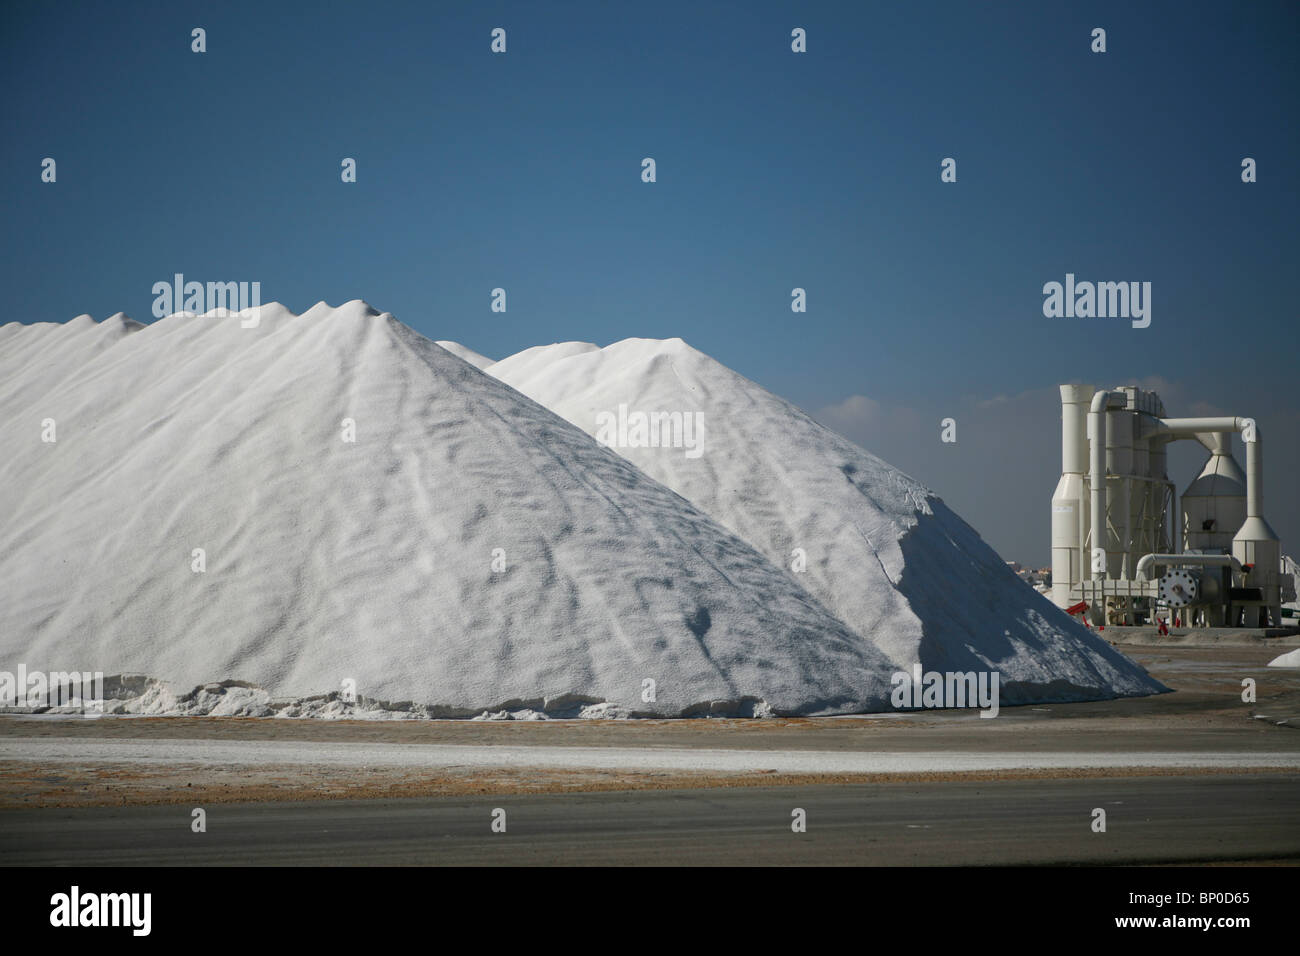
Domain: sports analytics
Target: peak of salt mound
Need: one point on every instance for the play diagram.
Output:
(276, 311)
(545, 354)
(204, 518)
(360, 308)
(120, 320)
(882, 552)
(467, 354)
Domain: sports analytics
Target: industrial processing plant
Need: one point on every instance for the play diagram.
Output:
(1127, 550)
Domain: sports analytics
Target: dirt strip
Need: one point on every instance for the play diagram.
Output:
(35, 785)
(1206, 713)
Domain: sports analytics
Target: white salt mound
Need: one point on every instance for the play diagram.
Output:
(883, 553)
(1289, 659)
(330, 561)
(468, 355)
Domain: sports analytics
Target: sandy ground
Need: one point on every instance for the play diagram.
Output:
(1205, 715)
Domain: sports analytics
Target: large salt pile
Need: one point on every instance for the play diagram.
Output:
(883, 553)
(201, 516)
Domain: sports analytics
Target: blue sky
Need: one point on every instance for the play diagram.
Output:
(775, 170)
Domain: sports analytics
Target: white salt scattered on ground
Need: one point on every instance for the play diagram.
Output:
(255, 753)
(1289, 659)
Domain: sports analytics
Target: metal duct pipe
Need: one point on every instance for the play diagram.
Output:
(1199, 427)
(1074, 441)
(1119, 482)
(1204, 560)
(1160, 475)
(1255, 477)
(1098, 434)
(1188, 427)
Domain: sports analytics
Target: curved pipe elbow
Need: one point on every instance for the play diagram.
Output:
(1204, 560)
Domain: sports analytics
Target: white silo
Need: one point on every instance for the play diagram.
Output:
(1070, 502)
(1213, 506)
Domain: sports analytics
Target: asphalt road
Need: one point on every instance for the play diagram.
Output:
(1226, 817)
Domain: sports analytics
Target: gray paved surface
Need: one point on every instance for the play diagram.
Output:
(1149, 820)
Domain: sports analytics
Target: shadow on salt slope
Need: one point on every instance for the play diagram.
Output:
(977, 615)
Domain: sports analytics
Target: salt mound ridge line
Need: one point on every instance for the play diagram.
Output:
(468, 355)
(884, 553)
(370, 561)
